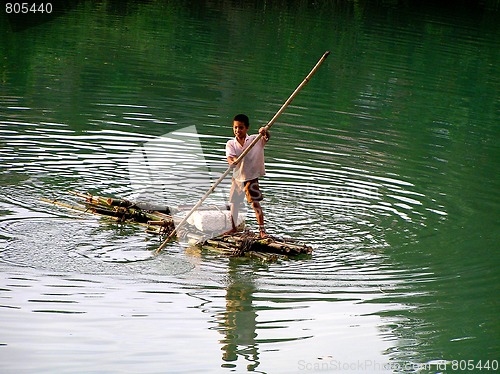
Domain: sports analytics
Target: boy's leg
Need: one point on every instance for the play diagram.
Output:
(254, 196)
(235, 199)
(235, 207)
(259, 214)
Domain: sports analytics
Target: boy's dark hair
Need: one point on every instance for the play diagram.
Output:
(242, 118)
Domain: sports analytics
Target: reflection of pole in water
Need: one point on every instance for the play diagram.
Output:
(238, 322)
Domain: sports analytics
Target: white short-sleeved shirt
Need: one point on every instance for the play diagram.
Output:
(252, 165)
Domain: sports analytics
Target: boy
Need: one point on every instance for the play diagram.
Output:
(247, 171)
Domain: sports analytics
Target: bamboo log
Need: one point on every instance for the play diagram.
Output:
(78, 194)
(89, 198)
(158, 223)
(64, 205)
(242, 243)
(118, 202)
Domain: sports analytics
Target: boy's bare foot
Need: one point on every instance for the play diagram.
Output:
(230, 232)
(262, 231)
(263, 234)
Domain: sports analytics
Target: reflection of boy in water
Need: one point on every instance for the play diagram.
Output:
(247, 171)
(239, 320)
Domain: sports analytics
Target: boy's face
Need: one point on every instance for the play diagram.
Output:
(239, 129)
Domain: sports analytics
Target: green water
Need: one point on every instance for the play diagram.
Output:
(386, 163)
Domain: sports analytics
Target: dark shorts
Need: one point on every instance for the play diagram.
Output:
(249, 188)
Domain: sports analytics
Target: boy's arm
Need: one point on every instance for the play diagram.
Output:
(230, 156)
(231, 160)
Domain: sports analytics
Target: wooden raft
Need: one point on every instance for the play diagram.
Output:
(160, 220)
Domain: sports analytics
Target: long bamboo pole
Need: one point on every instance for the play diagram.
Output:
(244, 153)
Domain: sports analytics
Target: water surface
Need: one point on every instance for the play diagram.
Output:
(386, 164)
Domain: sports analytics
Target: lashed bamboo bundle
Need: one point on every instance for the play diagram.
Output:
(162, 222)
(248, 243)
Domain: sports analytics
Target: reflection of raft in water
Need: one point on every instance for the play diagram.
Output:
(202, 231)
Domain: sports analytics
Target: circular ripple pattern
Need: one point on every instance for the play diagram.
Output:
(83, 246)
(336, 195)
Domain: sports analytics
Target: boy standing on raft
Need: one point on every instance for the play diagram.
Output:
(246, 173)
